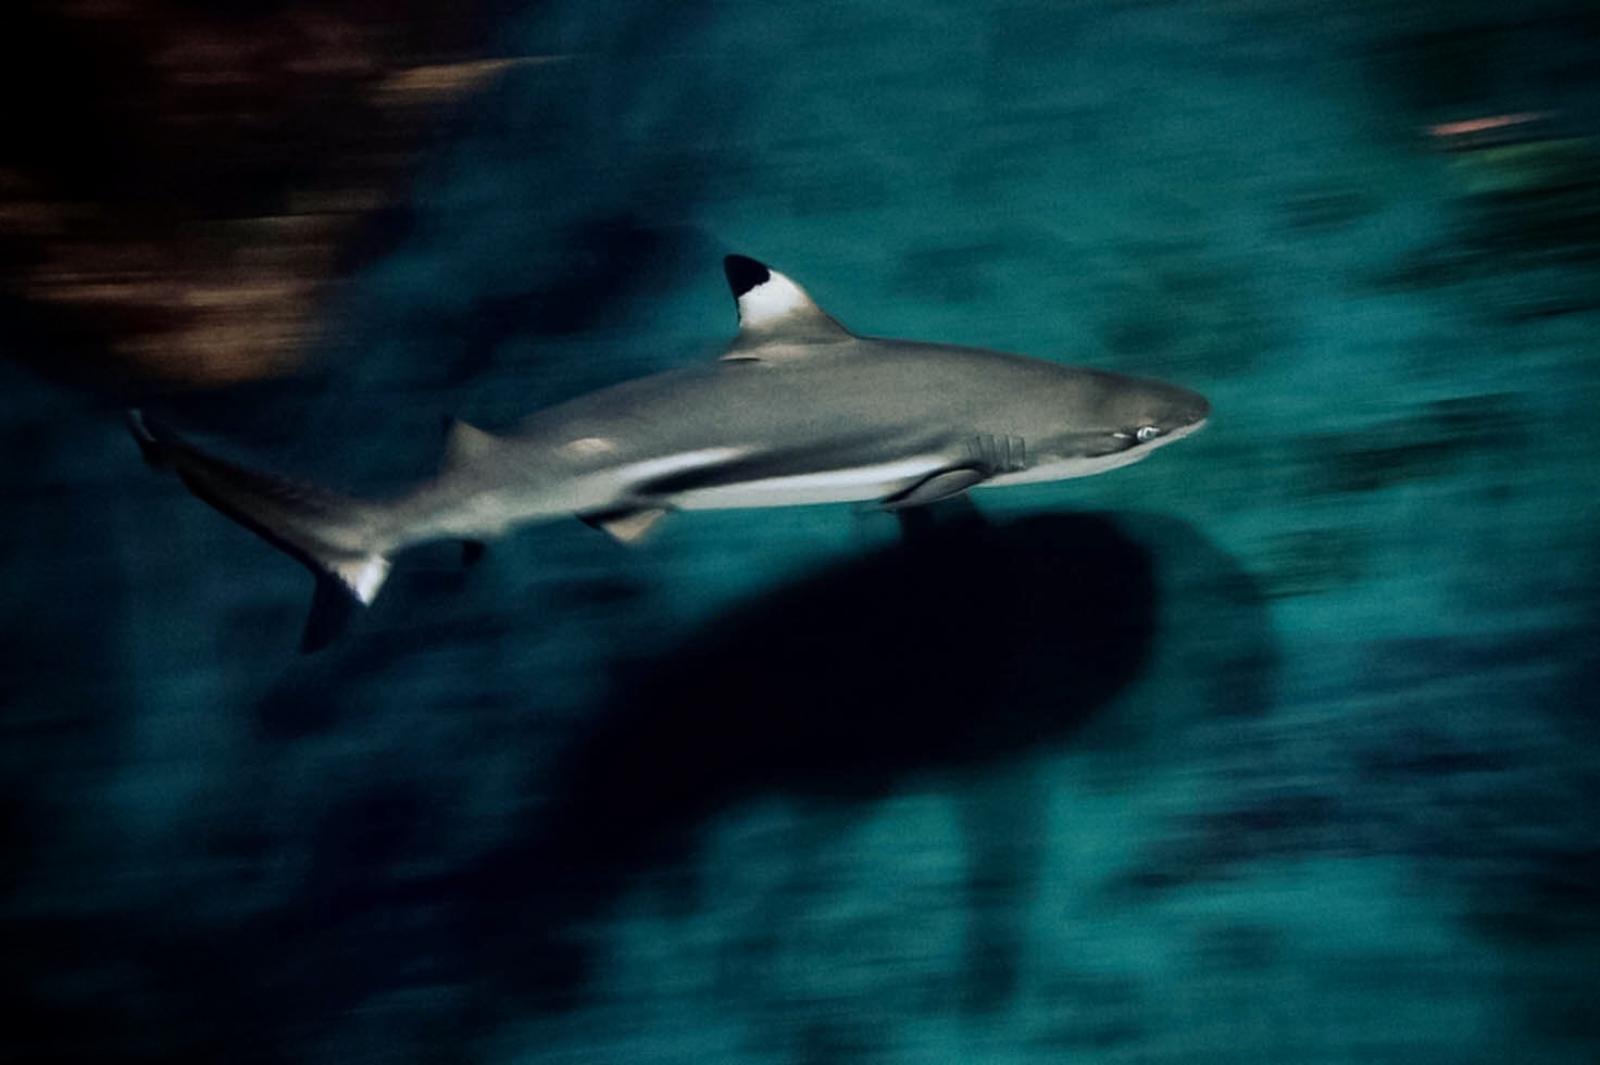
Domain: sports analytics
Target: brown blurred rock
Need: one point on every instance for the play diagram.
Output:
(177, 191)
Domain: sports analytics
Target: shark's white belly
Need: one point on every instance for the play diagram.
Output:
(869, 483)
(852, 484)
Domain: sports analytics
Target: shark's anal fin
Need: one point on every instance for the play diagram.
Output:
(943, 484)
(626, 526)
(464, 443)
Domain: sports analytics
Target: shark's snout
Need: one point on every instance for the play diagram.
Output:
(1182, 409)
(1187, 412)
(1185, 403)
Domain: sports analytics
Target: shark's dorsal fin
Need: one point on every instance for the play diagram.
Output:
(464, 443)
(774, 310)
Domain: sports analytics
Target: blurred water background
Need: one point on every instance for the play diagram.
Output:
(1279, 747)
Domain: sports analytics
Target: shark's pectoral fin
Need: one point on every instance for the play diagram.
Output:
(943, 484)
(626, 526)
(472, 552)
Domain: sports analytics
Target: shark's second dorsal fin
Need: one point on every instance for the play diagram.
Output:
(774, 310)
(463, 443)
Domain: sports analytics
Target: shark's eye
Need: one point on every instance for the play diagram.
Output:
(1146, 432)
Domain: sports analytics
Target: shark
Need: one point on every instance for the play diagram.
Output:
(797, 410)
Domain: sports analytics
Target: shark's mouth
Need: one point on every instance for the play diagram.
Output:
(1093, 460)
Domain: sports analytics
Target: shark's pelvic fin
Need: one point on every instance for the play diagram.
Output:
(626, 526)
(463, 443)
(329, 534)
(773, 310)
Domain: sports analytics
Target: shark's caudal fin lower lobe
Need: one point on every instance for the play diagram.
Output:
(324, 531)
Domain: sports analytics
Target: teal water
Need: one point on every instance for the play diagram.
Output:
(1277, 747)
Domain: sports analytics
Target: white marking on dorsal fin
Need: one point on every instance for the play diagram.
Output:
(774, 310)
(463, 443)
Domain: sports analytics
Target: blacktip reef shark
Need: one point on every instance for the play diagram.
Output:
(797, 410)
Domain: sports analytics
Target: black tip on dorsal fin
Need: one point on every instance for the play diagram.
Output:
(774, 311)
(744, 274)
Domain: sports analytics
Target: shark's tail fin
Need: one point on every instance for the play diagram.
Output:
(335, 537)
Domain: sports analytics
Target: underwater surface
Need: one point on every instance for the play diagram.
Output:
(1278, 747)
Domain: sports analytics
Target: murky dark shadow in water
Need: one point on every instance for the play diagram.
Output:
(969, 643)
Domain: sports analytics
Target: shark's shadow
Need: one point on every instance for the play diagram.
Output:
(968, 642)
